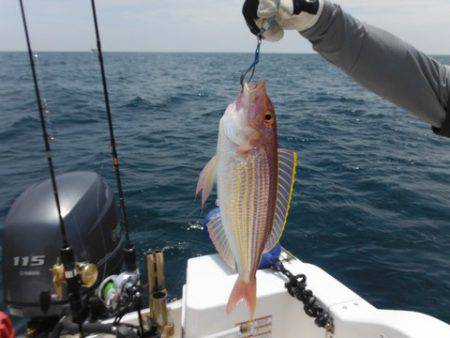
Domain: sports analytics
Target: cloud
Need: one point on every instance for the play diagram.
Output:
(201, 25)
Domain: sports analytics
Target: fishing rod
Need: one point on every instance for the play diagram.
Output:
(67, 255)
(129, 251)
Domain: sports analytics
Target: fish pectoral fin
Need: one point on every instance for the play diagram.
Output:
(287, 168)
(220, 241)
(245, 147)
(206, 180)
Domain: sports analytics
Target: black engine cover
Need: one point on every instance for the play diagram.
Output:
(32, 237)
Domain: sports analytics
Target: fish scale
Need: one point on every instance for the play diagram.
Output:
(254, 186)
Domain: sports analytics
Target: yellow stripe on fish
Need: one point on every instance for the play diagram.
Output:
(254, 186)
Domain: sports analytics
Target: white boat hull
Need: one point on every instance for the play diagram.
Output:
(201, 312)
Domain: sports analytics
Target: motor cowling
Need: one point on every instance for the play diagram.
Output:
(32, 238)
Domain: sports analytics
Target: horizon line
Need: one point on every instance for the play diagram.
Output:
(178, 52)
(144, 51)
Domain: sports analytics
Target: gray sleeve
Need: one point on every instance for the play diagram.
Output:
(383, 63)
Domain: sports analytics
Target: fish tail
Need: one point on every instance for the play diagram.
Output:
(245, 290)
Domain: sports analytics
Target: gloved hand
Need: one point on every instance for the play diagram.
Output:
(269, 18)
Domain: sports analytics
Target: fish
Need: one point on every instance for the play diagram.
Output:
(255, 181)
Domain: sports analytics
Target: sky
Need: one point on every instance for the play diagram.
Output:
(199, 25)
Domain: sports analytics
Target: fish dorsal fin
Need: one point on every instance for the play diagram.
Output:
(206, 180)
(287, 168)
(219, 238)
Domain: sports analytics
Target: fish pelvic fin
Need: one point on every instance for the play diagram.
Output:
(245, 290)
(287, 170)
(206, 180)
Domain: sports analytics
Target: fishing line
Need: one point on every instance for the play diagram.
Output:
(252, 67)
(47, 113)
(48, 120)
(123, 211)
(45, 135)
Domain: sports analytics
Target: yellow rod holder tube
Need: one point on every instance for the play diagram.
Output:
(160, 275)
(158, 302)
(151, 272)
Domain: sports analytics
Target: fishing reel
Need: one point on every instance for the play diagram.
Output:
(118, 295)
(88, 273)
(75, 276)
(121, 292)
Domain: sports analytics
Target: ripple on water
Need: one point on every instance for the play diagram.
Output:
(371, 201)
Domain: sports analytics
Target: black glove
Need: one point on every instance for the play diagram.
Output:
(250, 12)
(286, 9)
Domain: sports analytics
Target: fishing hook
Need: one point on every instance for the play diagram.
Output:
(252, 67)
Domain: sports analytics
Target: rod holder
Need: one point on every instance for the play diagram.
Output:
(151, 272)
(160, 275)
(158, 293)
(155, 271)
(168, 330)
(158, 308)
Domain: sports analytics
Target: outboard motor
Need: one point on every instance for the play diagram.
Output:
(32, 238)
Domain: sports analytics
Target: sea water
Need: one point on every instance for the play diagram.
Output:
(372, 198)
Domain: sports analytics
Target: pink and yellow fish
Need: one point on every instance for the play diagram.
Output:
(255, 181)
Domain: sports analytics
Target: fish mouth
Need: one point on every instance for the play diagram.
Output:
(253, 87)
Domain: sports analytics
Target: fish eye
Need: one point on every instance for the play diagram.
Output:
(268, 117)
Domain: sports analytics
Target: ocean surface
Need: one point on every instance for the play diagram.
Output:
(372, 199)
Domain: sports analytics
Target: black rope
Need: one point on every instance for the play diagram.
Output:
(252, 67)
(296, 287)
(45, 135)
(123, 213)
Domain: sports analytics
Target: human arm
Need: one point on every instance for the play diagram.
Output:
(378, 60)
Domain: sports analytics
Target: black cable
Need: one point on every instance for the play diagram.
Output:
(141, 322)
(48, 151)
(56, 332)
(123, 213)
(67, 325)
